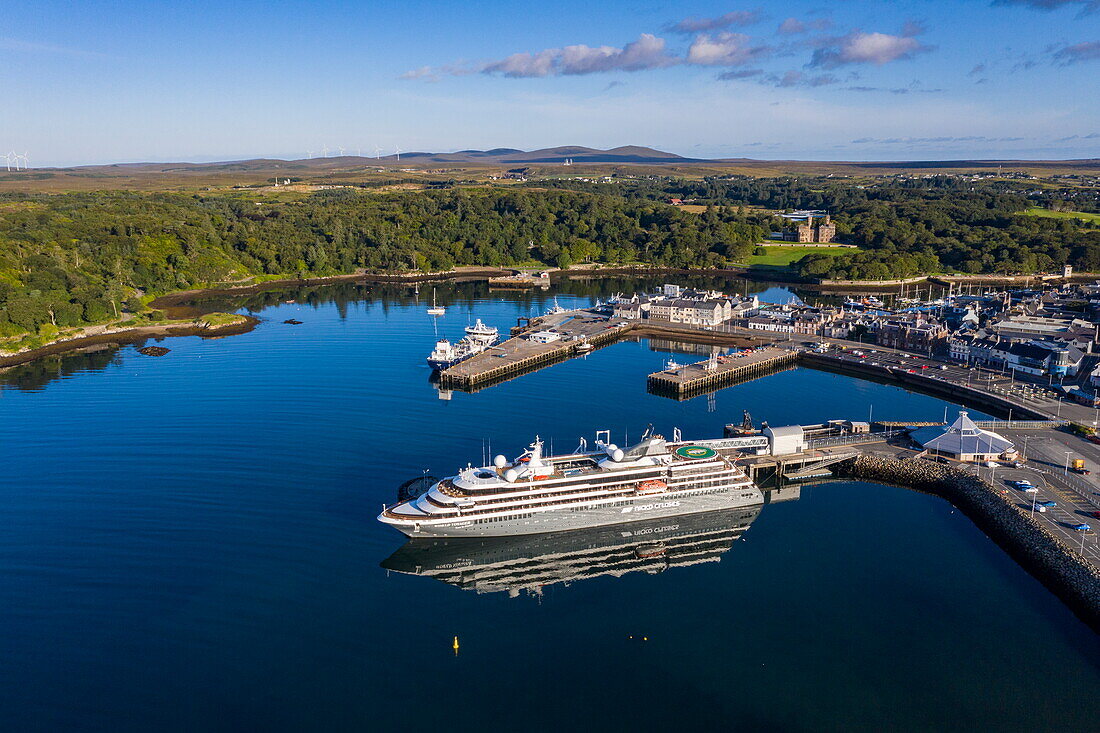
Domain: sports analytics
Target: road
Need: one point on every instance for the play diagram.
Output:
(1072, 506)
(1030, 393)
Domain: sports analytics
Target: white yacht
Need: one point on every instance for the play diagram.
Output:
(482, 334)
(436, 310)
(586, 488)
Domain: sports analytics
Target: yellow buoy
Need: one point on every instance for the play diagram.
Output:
(455, 646)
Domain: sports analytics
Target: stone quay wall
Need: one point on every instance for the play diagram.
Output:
(1054, 563)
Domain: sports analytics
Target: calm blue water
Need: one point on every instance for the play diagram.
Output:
(189, 544)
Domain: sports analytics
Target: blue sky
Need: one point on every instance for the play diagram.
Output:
(828, 80)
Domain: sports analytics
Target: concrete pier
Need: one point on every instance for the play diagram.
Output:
(716, 372)
(523, 353)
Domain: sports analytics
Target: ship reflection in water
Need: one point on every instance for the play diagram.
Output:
(530, 563)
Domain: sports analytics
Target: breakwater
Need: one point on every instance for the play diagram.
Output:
(1058, 566)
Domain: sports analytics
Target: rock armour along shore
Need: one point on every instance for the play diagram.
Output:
(1068, 575)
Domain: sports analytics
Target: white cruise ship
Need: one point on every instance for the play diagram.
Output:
(609, 485)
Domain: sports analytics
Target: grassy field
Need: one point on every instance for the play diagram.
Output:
(784, 256)
(1084, 215)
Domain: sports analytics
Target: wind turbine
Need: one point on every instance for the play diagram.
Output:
(309, 154)
(341, 152)
(397, 152)
(324, 151)
(377, 152)
(7, 160)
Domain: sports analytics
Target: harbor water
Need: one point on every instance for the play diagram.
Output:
(190, 544)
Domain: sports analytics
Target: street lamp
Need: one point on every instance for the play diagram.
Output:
(1066, 471)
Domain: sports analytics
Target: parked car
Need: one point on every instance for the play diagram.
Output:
(1082, 527)
(1095, 514)
(1047, 504)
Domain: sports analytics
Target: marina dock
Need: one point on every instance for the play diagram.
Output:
(544, 341)
(720, 371)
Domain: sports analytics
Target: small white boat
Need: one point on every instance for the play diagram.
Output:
(555, 309)
(436, 310)
(584, 347)
(672, 365)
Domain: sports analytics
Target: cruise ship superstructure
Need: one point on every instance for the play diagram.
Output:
(587, 488)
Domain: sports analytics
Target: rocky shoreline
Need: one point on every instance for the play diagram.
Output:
(132, 335)
(1060, 568)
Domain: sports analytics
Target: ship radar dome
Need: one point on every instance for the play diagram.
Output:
(500, 461)
(511, 475)
(617, 454)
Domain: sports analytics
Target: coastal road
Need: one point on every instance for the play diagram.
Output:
(1071, 507)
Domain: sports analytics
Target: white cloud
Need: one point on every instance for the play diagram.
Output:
(1087, 51)
(793, 26)
(424, 72)
(691, 25)
(867, 48)
(723, 49)
(648, 52)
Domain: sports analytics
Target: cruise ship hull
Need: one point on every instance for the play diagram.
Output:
(598, 513)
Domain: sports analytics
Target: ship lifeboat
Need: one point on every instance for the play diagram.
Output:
(653, 486)
(650, 550)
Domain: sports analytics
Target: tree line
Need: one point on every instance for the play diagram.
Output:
(72, 259)
(903, 226)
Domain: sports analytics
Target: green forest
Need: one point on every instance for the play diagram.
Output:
(908, 226)
(68, 260)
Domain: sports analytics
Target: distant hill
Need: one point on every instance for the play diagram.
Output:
(471, 164)
(558, 155)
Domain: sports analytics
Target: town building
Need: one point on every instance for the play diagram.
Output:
(962, 440)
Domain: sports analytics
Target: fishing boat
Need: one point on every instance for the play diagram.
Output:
(478, 338)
